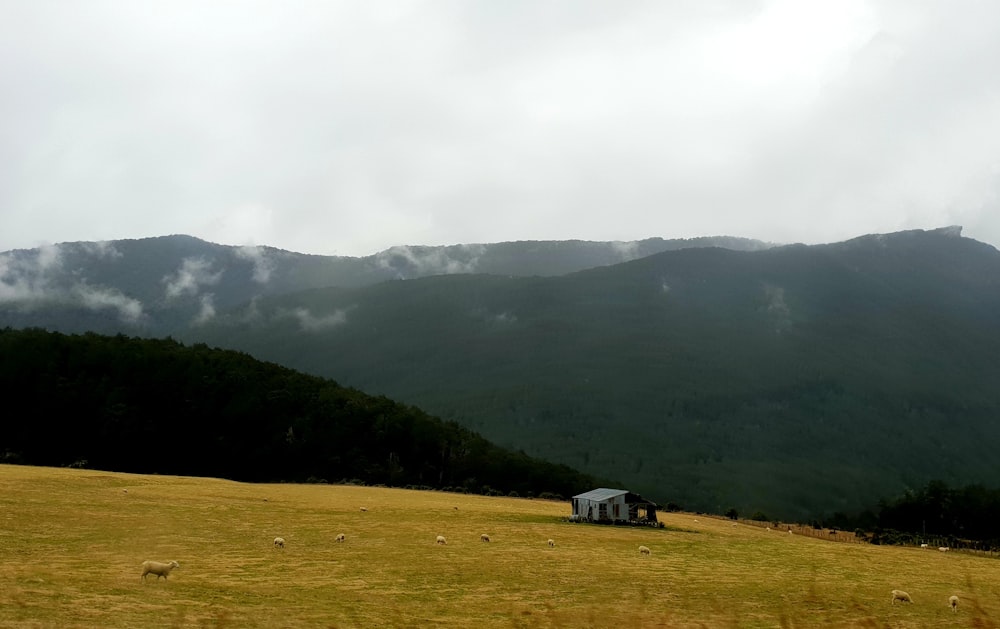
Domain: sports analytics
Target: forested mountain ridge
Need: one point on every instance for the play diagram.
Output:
(156, 406)
(797, 379)
(158, 286)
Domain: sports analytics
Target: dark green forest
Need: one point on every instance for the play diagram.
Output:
(963, 517)
(794, 380)
(157, 406)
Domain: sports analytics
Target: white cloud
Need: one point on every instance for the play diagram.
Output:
(431, 261)
(30, 277)
(505, 318)
(25, 276)
(263, 265)
(315, 323)
(207, 311)
(100, 298)
(102, 249)
(360, 126)
(626, 250)
(193, 274)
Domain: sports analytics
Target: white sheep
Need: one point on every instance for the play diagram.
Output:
(923, 545)
(900, 595)
(441, 539)
(484, 537)
(279, 542)
(552, 544)
(364, 509)
(158, 568)
(943, 549)
(953, 601)
(643, 550)
(341, 537)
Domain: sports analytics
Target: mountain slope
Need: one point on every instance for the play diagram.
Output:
(159, 286)
(155, 406)
(795, 379)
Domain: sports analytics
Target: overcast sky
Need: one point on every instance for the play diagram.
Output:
(349, 127)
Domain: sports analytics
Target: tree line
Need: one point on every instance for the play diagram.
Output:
(958, 517)
(158, 406)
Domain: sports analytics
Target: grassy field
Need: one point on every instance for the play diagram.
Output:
(72, 541)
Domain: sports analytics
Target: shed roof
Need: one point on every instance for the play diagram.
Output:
(601, 494)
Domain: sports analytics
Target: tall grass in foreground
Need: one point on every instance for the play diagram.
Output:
(72, 541)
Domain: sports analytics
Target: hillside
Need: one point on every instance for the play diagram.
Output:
(161, 286)
(156, 406)
(798, 380)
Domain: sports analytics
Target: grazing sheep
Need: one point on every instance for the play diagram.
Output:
(953, 601)
(789, 531)
(340, 537)
(643, 550)
(364, 509)
(484, 537)
(900, 595)
(158, 568)
(279, 542)
(552, 544)
(441, 539)
(943, 549)
(923, 545)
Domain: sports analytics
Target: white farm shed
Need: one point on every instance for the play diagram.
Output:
(600, 504)
(613, 506)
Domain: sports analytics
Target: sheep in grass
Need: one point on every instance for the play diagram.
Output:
(158, 568)
(552, 544)
(441, 539)
(643, 550)
(943, 549)
(340, 538)
(364, 509)
(953, 601)
(484, 537)
(900, 595)
(279, 542)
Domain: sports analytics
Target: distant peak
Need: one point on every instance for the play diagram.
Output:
(954, 231)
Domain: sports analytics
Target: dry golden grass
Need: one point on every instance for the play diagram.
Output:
(72, 541)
